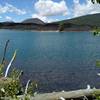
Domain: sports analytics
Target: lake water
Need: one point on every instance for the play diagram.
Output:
(57, 61)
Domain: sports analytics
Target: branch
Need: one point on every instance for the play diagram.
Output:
(9, 65)
(26, 88)
(5, 50)
(74, 95)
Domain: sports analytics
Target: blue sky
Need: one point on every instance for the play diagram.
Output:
(46, 10)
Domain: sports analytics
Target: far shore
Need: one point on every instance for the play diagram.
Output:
(49, 30)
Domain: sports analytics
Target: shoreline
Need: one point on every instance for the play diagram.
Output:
(57, 31)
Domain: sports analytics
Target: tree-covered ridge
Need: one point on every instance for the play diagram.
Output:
(94, 1)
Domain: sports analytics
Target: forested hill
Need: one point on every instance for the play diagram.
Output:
(92, 20)
(83, 23)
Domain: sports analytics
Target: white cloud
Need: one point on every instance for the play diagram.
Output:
(44, 18)
(85, 8)
(8, 18)
(47, 8)
(12, 9)
(50, 8)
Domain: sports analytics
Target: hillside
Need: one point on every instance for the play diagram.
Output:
(83, 23)
(92, 20)
(33, 20)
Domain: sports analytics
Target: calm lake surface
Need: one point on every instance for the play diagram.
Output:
(57, 61)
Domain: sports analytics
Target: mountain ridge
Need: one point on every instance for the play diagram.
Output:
(86, 18)
(82, 23)
(33, 20)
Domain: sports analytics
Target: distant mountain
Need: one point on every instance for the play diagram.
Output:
(8, 22)
(33, 21)
(92, 20)
(83, 23)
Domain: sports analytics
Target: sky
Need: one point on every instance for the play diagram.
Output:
(46, 10)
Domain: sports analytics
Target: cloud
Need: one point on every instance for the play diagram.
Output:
(51, 8)
(8, 8)
(48, 8)
(8, 18)
(44, 18)
(85, 8)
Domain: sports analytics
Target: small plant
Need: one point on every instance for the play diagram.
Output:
(1, 70)
(32, 87)
(16, 74)
(10, 84)
(98, 63)
(13, 88)
(96, 31)
(96, 95)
